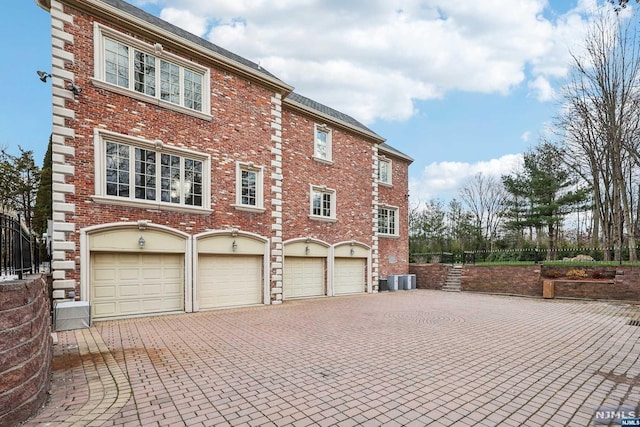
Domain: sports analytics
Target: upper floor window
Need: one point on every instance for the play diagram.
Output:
(387, 221)
(249, 193)
(323, 203)
(384, 171)
(134, 68)
(134, 170)
(322, 143)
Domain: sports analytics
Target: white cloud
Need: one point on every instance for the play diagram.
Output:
(185, 20)
(542, 90)
(443, 180)
(373, 60)
(526, 136)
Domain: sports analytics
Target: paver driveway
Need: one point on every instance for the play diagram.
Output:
(403, 358)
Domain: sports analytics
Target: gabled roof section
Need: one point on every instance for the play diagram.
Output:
(151, 19)
(315, 108)
(123, 12)
(387, 149)
(321, 110)
(127, 15)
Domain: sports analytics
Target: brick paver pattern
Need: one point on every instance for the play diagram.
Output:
(408, 358)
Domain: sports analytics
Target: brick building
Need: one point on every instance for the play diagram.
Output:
(186, 177)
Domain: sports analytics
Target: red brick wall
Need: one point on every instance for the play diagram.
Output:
(396, 248)
(430, 276)
(240, 130)
(625, 286)
(527, 280)
(519, 280)
(25, 348)
(349, 175)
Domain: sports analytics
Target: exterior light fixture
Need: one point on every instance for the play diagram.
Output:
(141, 242)
(234, 246)
(307, 250)
(353, 252)
(75, 89)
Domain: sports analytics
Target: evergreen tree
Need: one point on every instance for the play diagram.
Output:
(43, 207)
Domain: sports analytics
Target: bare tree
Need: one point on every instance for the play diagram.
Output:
(601, 120)
(484, 196)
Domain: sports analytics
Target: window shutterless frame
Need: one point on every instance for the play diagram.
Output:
(136, 172)
(322, 203)
(388, 221)
(128, 66)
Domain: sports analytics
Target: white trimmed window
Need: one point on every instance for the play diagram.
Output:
(323, 203)
(249, 184)
(387, 221)
(128, 66)
(384, 171)
(134, 171)
(322, 143)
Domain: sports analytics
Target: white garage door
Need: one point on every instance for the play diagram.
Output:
(126, 284)
(226, 281)
(303, 277)
(349, 276)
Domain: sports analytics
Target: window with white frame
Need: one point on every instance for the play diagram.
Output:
(249, 193)
(132, 170)
(387, 220)
(323, 203)
(322, 143)
(384, 171)
(143, 71)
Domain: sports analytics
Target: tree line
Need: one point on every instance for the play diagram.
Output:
(25, 188)
(580, 185)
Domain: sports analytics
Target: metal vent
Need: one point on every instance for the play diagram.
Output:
(634, 323)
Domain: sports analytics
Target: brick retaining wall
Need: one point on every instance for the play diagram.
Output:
(25, 348)
(429, 276)
(518, 280)
(616, 283)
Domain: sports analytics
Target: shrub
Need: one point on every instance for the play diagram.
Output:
(577, 274)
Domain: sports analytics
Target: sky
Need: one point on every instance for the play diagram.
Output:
(463, 87)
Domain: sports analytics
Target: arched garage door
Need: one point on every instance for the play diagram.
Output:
(124, 284)
(349, 276)
(229, 280)
(230, 270)
(304, 277)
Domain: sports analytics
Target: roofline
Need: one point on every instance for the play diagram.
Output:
(325, 117)
(390, 151)
(117, 16)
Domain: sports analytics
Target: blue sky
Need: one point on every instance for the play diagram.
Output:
(462, 87)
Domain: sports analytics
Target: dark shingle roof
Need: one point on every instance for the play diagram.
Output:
(295, 97)
(327, 111)
(392, 151)
(151, 19)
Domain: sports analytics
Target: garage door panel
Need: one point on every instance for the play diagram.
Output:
(227, 281)
(127, 284)
(154, 273)
(303, 277)
(128, 273)
(349, 276)
(128, 290)
(130, 307)
(104, 292)
(103, 309)
(152, 289)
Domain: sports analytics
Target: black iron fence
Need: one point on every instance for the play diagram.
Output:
(19, 252)
(523, 256)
